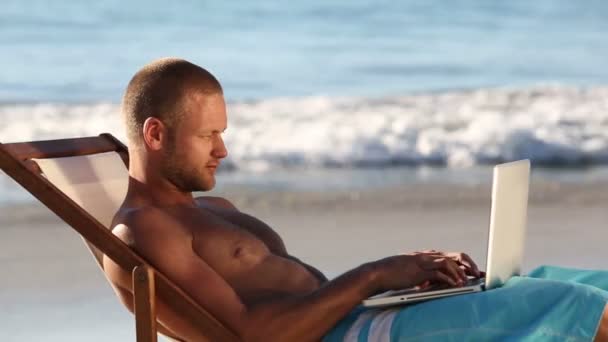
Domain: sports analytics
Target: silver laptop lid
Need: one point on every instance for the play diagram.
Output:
(508, 218)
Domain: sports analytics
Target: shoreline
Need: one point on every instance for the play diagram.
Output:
(420, 208)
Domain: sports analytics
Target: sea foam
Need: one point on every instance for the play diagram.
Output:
(552, 125)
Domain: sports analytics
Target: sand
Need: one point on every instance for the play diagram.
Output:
(51, 289)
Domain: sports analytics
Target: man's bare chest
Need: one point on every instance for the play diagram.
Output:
(249, 255)
(229, 241)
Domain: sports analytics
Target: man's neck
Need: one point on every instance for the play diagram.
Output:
(148, 186)
(151, 188)
(157, 192)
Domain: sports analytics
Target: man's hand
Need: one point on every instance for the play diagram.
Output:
(415, 269)
(463, 260)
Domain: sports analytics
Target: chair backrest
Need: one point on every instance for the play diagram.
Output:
(96, 182)
(85, 199)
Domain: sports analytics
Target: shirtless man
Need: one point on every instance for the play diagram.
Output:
(232, 264)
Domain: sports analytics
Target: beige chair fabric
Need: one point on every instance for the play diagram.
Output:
(98, 183)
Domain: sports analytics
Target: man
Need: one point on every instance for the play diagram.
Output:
(232, 264)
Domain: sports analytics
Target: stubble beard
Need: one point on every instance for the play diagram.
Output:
(184, 177)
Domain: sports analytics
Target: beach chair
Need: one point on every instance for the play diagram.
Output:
(83, 181)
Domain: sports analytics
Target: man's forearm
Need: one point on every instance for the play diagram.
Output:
(310, 317)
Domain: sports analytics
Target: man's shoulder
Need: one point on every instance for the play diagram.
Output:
(215, 201)
(148, 227)
(141, 218)
(130, 215)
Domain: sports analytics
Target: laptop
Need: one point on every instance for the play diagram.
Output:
(508, 217)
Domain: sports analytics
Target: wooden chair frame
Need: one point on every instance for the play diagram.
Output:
(148, 283)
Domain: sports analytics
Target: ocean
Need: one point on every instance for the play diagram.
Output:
(363, 98)
(323, 86)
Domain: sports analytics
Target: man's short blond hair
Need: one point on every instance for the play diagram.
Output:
(159, 89)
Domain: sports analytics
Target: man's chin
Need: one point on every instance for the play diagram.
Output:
(207, 186)
(199, 186)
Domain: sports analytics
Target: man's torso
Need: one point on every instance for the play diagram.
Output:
(243, 250)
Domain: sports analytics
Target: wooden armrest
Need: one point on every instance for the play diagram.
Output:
(144, 293)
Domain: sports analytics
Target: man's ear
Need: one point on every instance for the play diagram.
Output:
(154, 133)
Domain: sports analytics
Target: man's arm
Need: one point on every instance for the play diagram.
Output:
(167, 245)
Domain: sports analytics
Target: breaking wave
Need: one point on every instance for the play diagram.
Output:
(552, 125)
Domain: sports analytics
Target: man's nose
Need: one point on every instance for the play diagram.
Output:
(219, 148)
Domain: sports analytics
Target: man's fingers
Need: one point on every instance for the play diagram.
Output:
(439, 276)
(451, 269)
(461, 273)
(474, 269)
(465, 260)
(467, 268)
(424, 285)
(450, 264)
(444, 264)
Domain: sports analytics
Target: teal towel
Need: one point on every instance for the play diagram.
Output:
(550, 304)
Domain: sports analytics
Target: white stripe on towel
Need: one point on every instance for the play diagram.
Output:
(380, 330)
(352, 335)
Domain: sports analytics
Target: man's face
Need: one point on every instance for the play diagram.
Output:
(195, 147)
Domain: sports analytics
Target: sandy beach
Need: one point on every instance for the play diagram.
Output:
(52, 290)
(356, 129)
